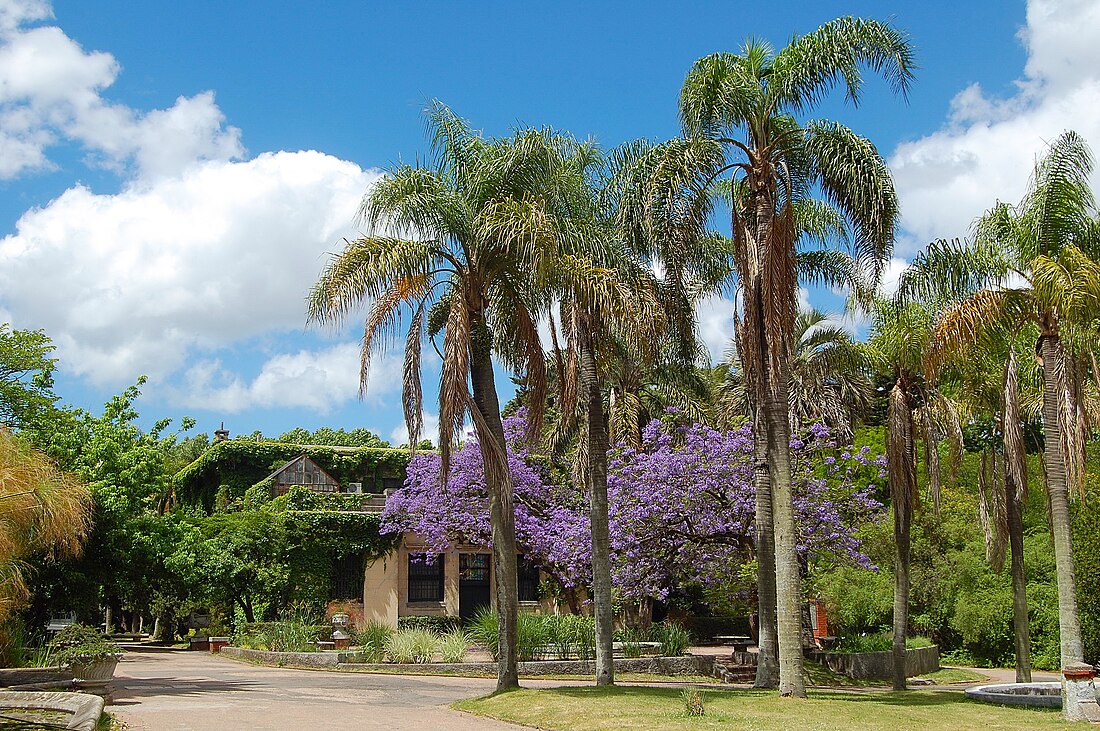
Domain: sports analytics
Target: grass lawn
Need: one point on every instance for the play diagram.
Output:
(945, 676)
(660, 709)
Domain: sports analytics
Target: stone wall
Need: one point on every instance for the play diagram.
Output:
(684, 665)
(879, 665)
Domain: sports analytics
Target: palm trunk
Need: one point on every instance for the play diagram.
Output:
(787, 579)
(901, 454)
(1054, 468)
(597, 485)
(501, 513)
(1020, 632)
(767, 662)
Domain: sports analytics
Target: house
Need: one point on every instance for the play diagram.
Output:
(410, 581)
(305, 472)
(365, 586)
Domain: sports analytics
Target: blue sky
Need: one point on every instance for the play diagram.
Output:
(172, 174)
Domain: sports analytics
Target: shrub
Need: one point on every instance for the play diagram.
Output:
(673, 637)
(79, 642)
(454, 645)
(412, 646)
(294, 634)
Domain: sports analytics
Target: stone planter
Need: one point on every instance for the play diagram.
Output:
(94, 674)
(217, 643)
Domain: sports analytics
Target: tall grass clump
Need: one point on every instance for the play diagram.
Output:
(693, 700)
(630, 641)
(483, 630)
(532, 636)
(674, 638)
(371, 639)
(454, 645)
(572, 636)
(415, 646)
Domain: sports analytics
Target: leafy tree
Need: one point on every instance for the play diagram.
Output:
(681, 507)
(740, 115)
(476, 237)
(1038, 262)
(327, 436)
(26, 375)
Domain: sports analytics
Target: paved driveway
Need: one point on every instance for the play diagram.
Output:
(165, 690)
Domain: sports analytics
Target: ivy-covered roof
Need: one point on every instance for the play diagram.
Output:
(237, 464)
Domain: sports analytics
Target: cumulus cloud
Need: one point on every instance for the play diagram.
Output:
(314, 379)
(715, 317)
(986, 150)
(130, 283)
(430, 430)
(52, 92)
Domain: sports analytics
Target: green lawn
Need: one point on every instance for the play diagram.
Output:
(660, 709)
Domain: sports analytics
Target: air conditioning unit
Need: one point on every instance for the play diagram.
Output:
(355, 487)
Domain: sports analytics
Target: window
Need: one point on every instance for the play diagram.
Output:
(346, 581)
(425, 578)
(528, 580)
(392, 483)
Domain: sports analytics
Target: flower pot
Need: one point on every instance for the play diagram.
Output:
(93, 674)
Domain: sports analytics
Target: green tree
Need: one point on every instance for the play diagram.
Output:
(1033, 262)
(476, 242)
(26, 375)
(740, 114)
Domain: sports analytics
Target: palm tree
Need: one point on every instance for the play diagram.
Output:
(1033, 262)
(474, 248)
(740, 116)
(41, 509)
(990, 385)
(900, 335)
(828, 382)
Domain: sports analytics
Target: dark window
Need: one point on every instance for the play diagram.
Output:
(347, 578)
(528, 580)
(425, 578)
(392, 483)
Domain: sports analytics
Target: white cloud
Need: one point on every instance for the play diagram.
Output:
(51, 92)
(430, 429)
(131, 283)
(715, 317)
(987, 149)
(319, 380)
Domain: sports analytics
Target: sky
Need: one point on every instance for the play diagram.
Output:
(174, 175)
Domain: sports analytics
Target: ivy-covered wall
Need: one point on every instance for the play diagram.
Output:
(238, 464)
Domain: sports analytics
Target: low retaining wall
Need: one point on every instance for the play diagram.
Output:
(684, 665)
(296, 659)
(39, 678)
(879, 665)
(85, 709)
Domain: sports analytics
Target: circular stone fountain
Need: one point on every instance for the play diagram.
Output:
(1036, 695)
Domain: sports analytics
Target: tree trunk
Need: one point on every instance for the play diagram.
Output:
(597, 485)
(1020, 632)
(903, 519)
(901, 453)
(767, 660)
(502, 515)
(787, 580)
(1054, 468)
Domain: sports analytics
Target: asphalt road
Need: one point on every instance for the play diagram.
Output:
(166, 690)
